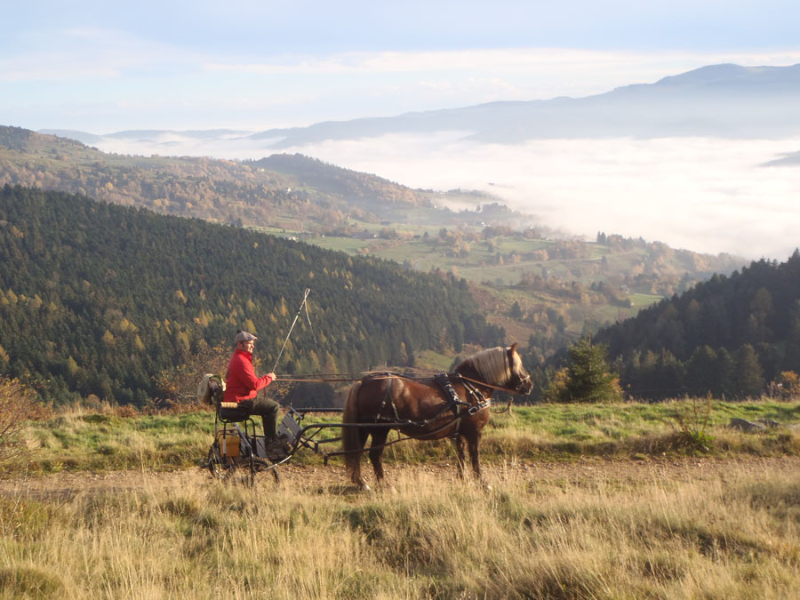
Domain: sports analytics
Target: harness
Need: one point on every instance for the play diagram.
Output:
(456, 404)
(453, 402)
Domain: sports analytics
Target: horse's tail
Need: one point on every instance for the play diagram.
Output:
(351, 436)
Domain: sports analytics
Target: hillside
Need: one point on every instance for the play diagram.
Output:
(98, 299)
(342, 182)
(540, 286)
(576, 499)
(730, 336)
(544, 292)
(295, 193)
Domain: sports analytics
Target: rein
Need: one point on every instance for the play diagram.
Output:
(377, 377)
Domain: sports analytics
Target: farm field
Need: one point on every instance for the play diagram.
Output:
(604, 501)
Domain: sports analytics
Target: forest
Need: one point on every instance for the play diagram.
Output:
(97, 298)
(731, 336)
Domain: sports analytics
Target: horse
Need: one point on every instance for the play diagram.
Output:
(455, 407)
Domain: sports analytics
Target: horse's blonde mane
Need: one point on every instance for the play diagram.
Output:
(492, 365)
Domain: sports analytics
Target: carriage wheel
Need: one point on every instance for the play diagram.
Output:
(220, 468)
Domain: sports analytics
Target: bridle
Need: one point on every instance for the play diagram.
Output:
(522, 382)
(516, 389)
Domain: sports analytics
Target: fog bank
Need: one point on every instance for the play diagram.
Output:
(703, 194)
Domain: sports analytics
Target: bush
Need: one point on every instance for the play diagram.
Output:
(17, 405)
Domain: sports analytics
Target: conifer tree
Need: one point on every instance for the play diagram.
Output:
(749, 376)
(588, 378)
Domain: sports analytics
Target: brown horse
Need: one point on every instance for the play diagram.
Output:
(426, 410)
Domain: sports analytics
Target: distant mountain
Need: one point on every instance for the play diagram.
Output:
(719, 100)
(724, 100)
(79, 136)
(138, 134)
(789, 160)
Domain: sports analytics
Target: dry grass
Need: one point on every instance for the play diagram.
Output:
(688, 529)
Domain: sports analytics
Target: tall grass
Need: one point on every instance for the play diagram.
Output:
(642, 531)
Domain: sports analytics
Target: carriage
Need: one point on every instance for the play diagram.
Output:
(453, 405)
(239, 453)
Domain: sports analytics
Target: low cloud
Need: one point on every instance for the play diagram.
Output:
(706, 195)
(702, 194)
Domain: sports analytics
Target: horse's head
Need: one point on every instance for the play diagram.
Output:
(520, 380)
(500, 367)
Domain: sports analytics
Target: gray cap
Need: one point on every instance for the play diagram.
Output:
(244, 336)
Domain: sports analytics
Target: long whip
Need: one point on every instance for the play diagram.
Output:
(297, 316)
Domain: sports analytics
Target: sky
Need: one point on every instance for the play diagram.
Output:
(103, 67)
(109, 66)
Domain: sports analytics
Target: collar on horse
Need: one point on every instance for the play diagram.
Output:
(456, 404)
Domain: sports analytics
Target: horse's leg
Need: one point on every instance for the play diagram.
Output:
(458, 443)
(355, 476)
(379, 437)
(353, 436)
(474, 444)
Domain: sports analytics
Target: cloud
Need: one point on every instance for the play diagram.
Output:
(702, 194)
(705, 195)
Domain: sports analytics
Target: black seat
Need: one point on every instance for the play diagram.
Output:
(232, 415)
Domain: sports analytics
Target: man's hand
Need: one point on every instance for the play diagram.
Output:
(272, 376)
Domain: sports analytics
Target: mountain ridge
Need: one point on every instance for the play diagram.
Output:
(724, 100)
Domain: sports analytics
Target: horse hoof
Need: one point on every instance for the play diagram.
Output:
(366, 488)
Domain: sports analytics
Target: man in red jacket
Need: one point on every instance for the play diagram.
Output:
(242, 386)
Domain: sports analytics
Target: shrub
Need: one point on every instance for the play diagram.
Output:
(693, 421)
(17, 405)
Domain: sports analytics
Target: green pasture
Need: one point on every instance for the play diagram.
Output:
(342, 244)
(641, 300)
(434, 360)
(81, 441)
(480, 263)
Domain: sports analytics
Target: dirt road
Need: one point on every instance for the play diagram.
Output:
(332, 479)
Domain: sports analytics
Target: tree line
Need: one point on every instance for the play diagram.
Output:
(732, 337)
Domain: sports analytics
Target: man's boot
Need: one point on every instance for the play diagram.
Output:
(276, 449)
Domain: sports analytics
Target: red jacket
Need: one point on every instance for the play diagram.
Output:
(241, 382)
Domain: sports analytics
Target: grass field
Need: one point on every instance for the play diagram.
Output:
(670, 529)
(80, 440)
(600, 501)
